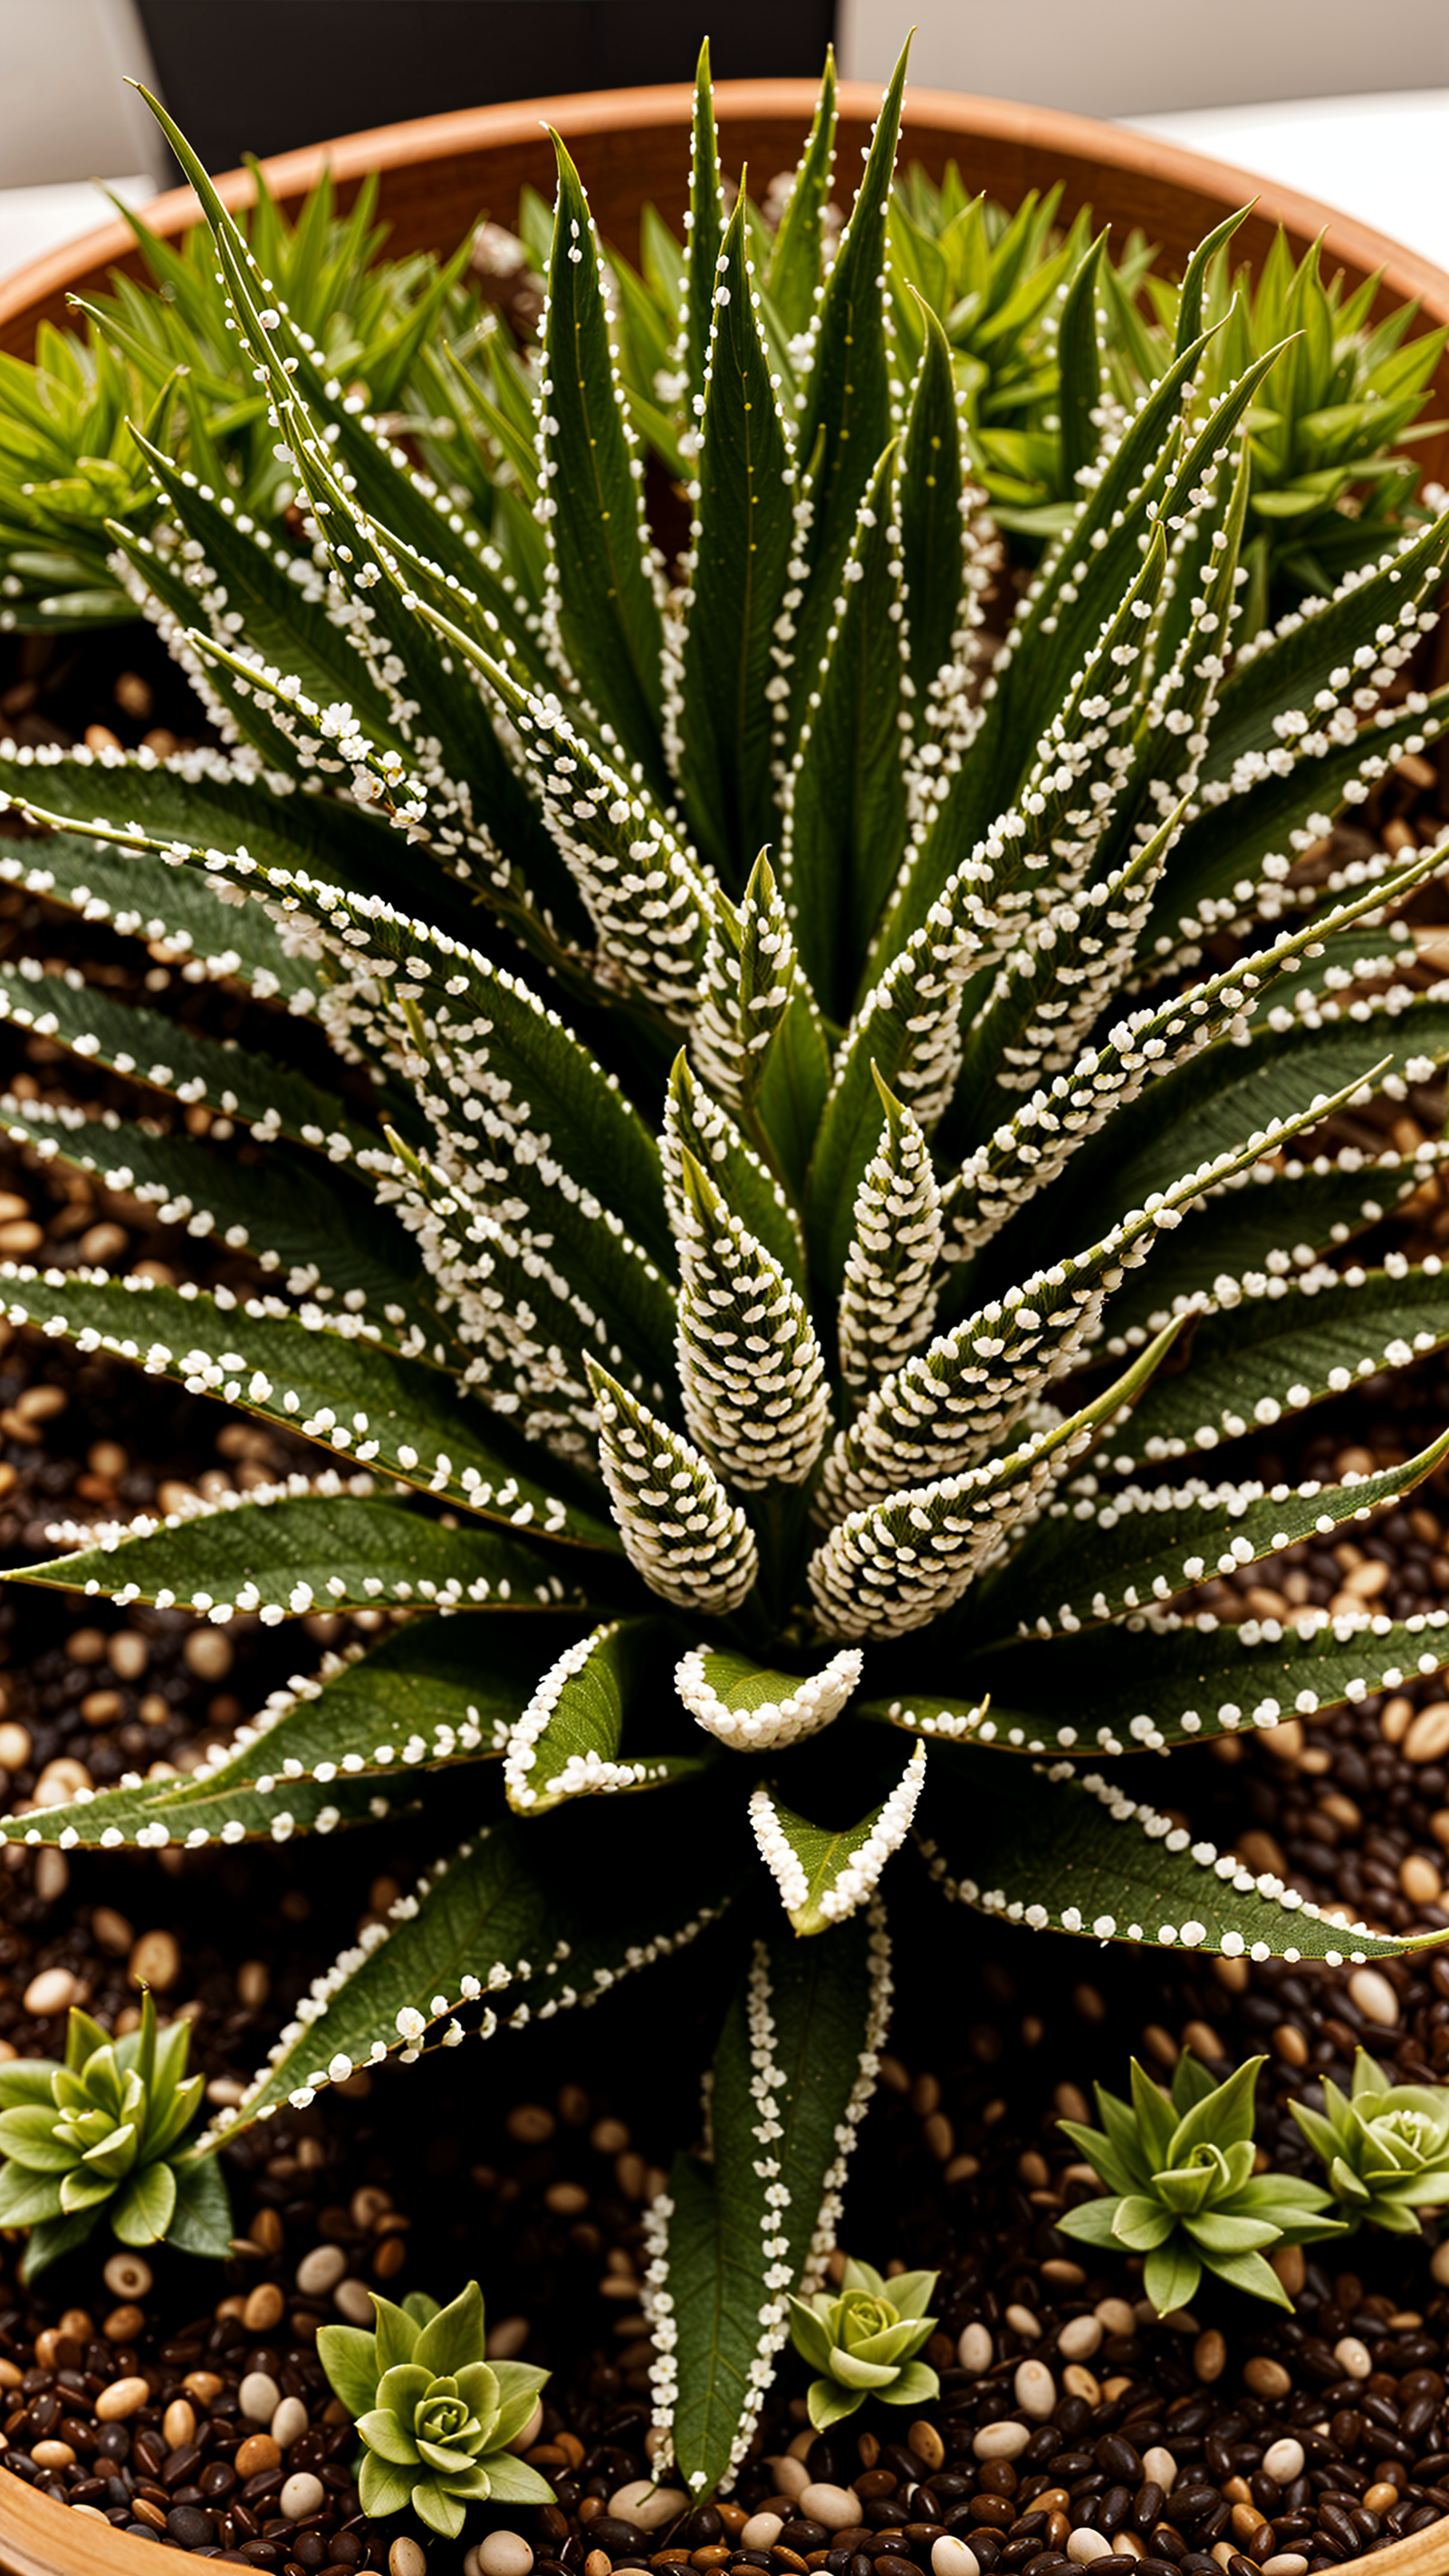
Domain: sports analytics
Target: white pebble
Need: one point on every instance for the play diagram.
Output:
(1288, 2562)
(1160, 2466)
(837, 2507)
(790, 2475)
(975, 2349)
(1439, 2263)
(1035, 2389)
(1001, 2441)
(1374, 1996)
(503, 2553)
(320, 2271)
(1284, 2460)
(259, 2397)
(1023, 2322)
(1352, 2357)
(951, 2557)
(1083, 2546)
(352, 2300)
(301, 2494)
(1118, 2318)
(1079, 2339)
(761, 2531)
(289, 2423)
(407, 2557)
(647, 2506)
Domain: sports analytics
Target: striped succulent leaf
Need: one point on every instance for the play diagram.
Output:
(783, 1118)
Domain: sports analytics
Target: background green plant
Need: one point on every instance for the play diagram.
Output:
(1385, 2147)
(434, 2414)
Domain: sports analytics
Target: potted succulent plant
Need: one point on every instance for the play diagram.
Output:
(762, 1242)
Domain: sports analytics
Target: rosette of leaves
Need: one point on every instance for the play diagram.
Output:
(434, 2416)
(104, 2136)
(1385, 2146)
(863, 2339)
(738, 1303)
(1181, 2189)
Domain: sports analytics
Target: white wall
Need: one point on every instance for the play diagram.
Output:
(1132, 57)
(65, 112)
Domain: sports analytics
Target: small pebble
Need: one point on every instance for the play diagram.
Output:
(301, 2494)
(790, 2476)
(1001, 2441)
(353, 2300)
(1288, 2562)
(924, 2440)
(178, 2424)
(1381, 2497)
(257, 2454)
(289, 2423)
(1035, 2390)
(1374, 1996)
(127, 2276)
(1352, 2357)
(1079, 2338)
(761, 2531)
(837, 2507)
(52, 2455)
(53, 1991)
(647, 2506)
(1160, 2466)
(320, 2271)
(1267, 2378)
(974, 2349)
(531, 2433)
(505, 2553)
(121, 2399)
(1116, 2314)
(1083, 2546)
(264, 2309)
(952, 2557)
(1283, 2461)
(1023, 2322)
(407, 2558)
(155, 1962)
(259, 2397)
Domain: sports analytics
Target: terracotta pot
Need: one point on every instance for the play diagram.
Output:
(439, 173)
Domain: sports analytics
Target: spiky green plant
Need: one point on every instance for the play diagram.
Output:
(1182, 2191)
(736, 1291)
(104, 2136)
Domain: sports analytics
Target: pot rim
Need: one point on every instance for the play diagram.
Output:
(30, 2533)
(1071, 140)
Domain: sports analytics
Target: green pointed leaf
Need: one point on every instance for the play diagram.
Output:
(282, 1556)
(809, 2012)
(609, 620)
(569, 1740)
(143, 2210)
(201, 2222)
(742, 541)
(311, 1374)
(348, 2354)
(797, 260)
(512, 2481)
(823, 1876)
(1170, 2276)
(1079, 1854)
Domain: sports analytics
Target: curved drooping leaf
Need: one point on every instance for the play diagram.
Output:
(177, 908)
(309, 1373)
(280, 1551)
(825, 1875)
(1077, 1853)
(792, 2076)
(568, 1742)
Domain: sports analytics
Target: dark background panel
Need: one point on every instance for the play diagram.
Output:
(269, 75)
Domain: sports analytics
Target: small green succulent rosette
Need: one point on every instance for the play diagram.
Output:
(435, 2418)
(1181, 2189)
(101, 2136)
(863, 2339)
(1385, 2146)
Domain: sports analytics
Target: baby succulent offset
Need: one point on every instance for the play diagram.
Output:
(1385, 2145)
(863, 2339)
(434, 2416)
(1182, 2191)
(729, 1294)
(104, 2136)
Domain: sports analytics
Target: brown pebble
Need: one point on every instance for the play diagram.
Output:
(926, 2442)
(392, 2253)
(1209, 2355)
(1427, 1736)
(155, 1962)
(124, 2323)
(265, 2308)
(1266, 2378)
(256, 2453)
(204, 2385)
(1420, 1880)
(121, 2399)
(52, 2455)
(53, 1991)
(178, 2424)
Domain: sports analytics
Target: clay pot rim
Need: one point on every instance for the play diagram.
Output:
(34, 2539)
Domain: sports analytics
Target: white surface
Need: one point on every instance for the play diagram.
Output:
(1149, 57)
(35, 220)
(65, 109)
(1382, 159)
